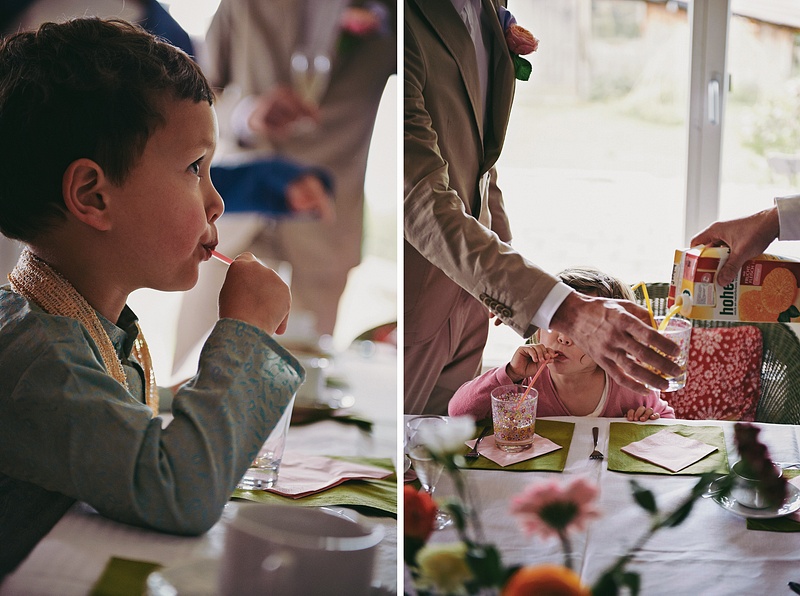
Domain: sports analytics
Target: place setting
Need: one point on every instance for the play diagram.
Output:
(514, 439)
(666, 449)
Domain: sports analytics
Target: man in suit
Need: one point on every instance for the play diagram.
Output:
(250, 46)
(458, 265)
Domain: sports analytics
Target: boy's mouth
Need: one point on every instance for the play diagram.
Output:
(208, 248)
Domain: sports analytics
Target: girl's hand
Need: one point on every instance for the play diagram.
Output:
(642, 413)
(525, 361)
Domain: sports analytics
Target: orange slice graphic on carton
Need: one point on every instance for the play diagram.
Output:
(751, 308)
(778, 289)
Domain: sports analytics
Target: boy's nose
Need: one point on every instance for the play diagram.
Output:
(215, 205)
(564, 340)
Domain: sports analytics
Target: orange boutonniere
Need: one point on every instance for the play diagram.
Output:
(520, 42)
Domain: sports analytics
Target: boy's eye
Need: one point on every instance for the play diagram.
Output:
(194, 168)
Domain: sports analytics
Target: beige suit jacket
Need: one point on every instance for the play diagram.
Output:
(456, 232)
(250, 43)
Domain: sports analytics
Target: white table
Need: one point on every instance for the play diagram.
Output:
(70, 559)
(711, 553)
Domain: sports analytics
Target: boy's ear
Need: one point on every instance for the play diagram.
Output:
(85, 190)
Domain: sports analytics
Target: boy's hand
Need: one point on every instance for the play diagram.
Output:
(525, 361)
(254, 293)
(642, 414)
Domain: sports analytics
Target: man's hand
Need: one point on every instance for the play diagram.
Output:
(307, 194)
(276, 112)
(614, 333)
(747, 237)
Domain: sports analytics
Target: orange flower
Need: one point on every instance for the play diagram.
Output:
(545, 580)
(420, 511)
(520, 40)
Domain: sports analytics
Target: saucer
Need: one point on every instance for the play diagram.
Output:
(790, 505)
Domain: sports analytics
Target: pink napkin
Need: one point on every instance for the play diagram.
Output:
(302, 475)
(669, 450)
(489, 450)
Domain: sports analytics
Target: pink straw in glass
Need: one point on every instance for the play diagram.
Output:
(533, 380)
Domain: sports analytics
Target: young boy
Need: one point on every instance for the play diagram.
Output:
(108, 136)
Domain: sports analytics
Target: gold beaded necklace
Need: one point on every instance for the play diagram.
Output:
(38, 282)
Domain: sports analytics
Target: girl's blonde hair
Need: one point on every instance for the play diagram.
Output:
(591, 281)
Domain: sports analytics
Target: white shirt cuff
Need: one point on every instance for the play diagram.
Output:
(550, 305)
(789, 217)
(239, 120)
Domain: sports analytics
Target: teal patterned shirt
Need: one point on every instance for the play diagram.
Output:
(69, 431)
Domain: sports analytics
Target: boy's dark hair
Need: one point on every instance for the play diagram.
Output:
(86, 88)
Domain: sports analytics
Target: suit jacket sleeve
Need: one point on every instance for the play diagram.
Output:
(437, 225)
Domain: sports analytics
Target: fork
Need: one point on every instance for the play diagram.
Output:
(595, 454)
(473, 453)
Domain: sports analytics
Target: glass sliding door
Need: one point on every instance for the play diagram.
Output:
(594, 166)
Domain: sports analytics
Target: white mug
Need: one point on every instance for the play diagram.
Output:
(286, 550)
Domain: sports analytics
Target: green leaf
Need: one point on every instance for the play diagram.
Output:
(522, 68)
(606, 585)
(676, 517)
(789, 314)
(644, 497)
(484, 560)
(458, 513)
(411, 546)
(632, 580)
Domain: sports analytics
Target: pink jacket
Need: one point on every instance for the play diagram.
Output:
(472, 398)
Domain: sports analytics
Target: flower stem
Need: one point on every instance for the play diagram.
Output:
(566, 545)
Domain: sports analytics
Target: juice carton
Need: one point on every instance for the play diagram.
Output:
(766, 289)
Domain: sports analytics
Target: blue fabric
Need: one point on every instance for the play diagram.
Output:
(159, 22)
(69, 431)
(260, 186)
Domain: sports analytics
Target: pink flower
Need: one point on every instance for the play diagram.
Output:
(550, 509)
(520, 41)
(362, 21)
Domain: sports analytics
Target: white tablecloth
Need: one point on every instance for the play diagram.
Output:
(70, 559)
(711, 553)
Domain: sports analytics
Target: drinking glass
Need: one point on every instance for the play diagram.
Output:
(514, 417)
(427, 469)
(310, 63)
(263, 471)
(678, 330)
(310, 74)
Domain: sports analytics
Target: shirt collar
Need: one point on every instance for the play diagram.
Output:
(124, 333)
(459, 5)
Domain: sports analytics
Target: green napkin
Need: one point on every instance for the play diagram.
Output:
(779, 524)
(625, 433)
(124, 577)
(373, 496)
(555, 430)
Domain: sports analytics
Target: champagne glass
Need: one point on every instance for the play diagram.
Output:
(310, 74)
(428, 470)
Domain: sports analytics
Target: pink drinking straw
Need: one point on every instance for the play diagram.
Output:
(533, 380)
(220, 257)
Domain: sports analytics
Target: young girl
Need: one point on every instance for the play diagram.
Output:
(572, 384)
